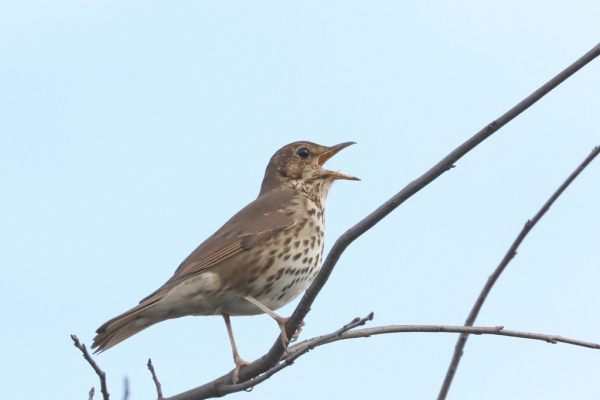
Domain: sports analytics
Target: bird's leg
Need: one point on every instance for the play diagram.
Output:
(239, 362)
(281, 321)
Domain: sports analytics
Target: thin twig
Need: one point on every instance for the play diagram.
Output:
(125, 388)
(91, 394)
(510, 254)
(155, 379)
(492, 330)
(273, 356)
(101, 374)
(290, 358)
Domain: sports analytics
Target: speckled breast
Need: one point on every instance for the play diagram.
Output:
(290, 261)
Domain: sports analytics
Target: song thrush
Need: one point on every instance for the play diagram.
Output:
(260, 260)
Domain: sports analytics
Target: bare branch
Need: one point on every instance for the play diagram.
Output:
(272, 357)
(493, 330)
(91, 394)
(155, 379)
(101, 374)
(510, 254)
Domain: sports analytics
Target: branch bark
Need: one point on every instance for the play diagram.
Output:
(510, 254)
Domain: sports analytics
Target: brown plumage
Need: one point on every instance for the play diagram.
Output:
(261, 259)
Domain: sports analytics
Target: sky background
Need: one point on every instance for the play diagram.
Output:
(130, 132)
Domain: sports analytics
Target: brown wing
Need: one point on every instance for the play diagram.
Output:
(257, 221)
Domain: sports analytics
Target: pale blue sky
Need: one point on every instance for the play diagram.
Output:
(130, 132)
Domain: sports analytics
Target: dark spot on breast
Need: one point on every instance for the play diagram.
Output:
(304, 260)
(312, 211)
(297, 256)
(287, 241)
(269, 263)
(272, 252)
(296, 244)
(287, 257)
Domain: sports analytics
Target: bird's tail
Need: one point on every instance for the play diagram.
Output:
(123, 326)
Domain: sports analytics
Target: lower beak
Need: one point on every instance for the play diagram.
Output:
(333, 150)
(339, 175)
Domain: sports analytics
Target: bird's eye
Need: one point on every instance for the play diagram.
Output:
(303, 152)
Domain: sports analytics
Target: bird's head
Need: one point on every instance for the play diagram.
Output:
(301, 163)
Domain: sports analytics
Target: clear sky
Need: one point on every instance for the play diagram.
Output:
(130, 132)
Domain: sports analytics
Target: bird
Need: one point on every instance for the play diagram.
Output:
(265, 256)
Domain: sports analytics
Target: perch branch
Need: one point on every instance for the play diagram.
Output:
(510, 254)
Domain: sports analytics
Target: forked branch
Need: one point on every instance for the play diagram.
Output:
(101, 374)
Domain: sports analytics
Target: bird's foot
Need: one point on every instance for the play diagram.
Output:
(284, 337)
(239, 363)
(297, 333)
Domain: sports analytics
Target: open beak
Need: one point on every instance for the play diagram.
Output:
(333, 150)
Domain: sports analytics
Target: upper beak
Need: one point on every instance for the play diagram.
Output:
(333, 150)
